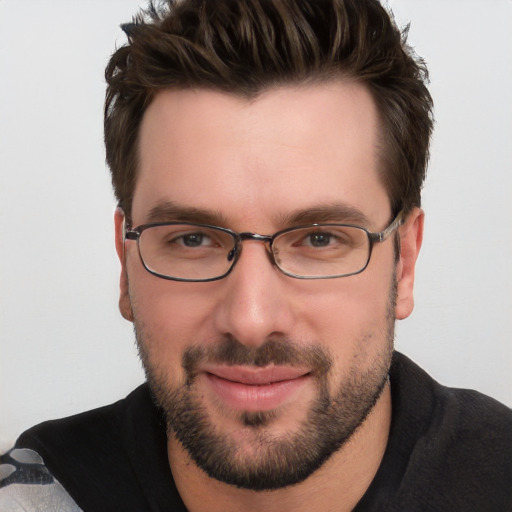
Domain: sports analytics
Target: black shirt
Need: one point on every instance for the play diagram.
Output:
(448, 450)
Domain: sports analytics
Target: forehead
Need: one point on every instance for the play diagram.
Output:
(254, 161)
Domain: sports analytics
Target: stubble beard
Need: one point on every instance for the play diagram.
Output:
(274, 461)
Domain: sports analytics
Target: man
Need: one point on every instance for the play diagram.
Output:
(267, 157)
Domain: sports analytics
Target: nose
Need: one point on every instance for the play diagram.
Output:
(256, 302)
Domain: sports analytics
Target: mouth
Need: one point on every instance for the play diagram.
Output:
(258, 389)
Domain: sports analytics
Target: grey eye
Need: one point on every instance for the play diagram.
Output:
(193, 239)
(319, 239)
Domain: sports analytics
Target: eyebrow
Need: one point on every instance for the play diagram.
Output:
(334, 212)
(170, 211)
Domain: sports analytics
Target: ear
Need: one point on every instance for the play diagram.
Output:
(411, 236)
(124, 296)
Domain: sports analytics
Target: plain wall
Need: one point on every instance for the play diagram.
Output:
(64, 347)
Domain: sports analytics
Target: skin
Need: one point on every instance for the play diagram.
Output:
(251, 164)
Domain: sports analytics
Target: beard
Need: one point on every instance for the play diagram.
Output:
(273, 461)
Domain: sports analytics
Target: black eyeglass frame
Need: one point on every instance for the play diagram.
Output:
(234, 254)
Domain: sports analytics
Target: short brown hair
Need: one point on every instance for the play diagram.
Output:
(244, 47)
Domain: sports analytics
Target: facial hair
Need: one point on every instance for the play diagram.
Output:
(275, 461)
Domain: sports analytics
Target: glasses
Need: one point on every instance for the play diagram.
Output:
(182, 251)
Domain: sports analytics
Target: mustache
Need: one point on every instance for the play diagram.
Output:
(276, 351)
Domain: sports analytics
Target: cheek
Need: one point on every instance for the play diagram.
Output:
(167, 322)
(344, 305)
(351, 319)
(172, 314)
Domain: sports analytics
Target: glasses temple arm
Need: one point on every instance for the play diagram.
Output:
(397, 222)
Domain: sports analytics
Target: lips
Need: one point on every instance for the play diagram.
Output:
(255, 389)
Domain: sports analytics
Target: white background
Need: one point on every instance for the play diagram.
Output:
(63, 345)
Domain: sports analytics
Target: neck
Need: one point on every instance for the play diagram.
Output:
(338, 485)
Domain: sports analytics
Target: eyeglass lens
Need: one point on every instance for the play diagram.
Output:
(192, 252)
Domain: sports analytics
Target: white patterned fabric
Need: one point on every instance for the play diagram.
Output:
(26, 485)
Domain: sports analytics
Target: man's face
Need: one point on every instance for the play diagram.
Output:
(263, 376)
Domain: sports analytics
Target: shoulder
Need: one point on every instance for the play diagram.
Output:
(462, 447)
(26, 484)
(90, 454)
(467, 414)
(87, 431)
(473, 436)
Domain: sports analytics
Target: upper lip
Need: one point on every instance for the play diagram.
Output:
(256, 376)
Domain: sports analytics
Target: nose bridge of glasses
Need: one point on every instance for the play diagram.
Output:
(266, 239)
(255, 236)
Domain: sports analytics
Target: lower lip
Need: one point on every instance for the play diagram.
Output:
(252, 398)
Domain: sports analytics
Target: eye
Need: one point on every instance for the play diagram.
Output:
(193, 240)
(183, 242)
(318, 239)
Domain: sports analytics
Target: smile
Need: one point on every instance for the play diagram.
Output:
(253, 390)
